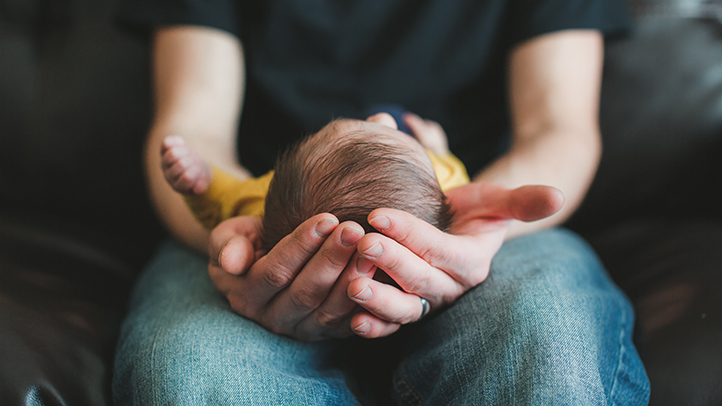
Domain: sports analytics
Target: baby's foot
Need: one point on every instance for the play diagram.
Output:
(183, 168)
(429, 133)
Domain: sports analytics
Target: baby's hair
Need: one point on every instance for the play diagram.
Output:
(349, 177)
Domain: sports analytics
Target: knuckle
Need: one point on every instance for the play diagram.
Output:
(305, 299)
(430, 255)
(403, 317)
(328, 319)
(240, 306)
(479, 275)
(437, 257)
(330, 256)
(275, 328)
(404, 236)
(418, 284)
(391, 263)
(298, 239)
(278, 277)
(407, 319)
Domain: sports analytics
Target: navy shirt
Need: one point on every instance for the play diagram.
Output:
(310, 61)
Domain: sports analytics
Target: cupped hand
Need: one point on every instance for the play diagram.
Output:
(297, 289)
(438, 266)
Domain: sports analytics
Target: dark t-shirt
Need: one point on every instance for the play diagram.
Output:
(310, 61)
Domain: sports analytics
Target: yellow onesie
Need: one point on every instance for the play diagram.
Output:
(228, 197)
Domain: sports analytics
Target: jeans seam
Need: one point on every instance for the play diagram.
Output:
(620, 360)
(406, 390)
(152, 364)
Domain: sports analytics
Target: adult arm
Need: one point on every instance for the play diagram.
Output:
(423, 260)
(554, 84)
(554, 91)
(198, 77)
(295, 288)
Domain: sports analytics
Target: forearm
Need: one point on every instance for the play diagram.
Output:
(198, 84)
(554, 83)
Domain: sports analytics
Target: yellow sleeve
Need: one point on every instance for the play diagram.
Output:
(228, 197)
(450, 171)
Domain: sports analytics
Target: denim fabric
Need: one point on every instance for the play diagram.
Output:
(547, 327)
(182, 345)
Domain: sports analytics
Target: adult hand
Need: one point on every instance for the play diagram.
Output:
(297, 289)
(428, 263)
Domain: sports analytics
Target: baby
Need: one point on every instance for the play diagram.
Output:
(348, 169)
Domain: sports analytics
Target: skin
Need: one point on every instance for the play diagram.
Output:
(317, 283)
(187, 173)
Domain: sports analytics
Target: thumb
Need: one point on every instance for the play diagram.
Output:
(530, 203)
(236, 256)
(492, 201)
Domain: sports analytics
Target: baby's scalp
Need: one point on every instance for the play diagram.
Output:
(348, 171)
(340, 131)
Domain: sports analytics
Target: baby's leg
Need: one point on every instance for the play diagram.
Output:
(183, 168)
(429, 133)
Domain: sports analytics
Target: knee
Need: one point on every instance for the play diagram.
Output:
(547, 322)
(183, 360)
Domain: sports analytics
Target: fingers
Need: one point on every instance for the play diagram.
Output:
(530, 203)
(333, 317)
(237, 256)
(369, 326)
(383, 119)
(314, 283)
(421, 273)
(431, 245)
(491, 201)
(231, 250)
(233, 244)
(385, 302)
(275, 271)
(429, 133)
(295, 289)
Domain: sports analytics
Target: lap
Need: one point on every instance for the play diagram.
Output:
(547, 327)
(182, 344)
(548, 317)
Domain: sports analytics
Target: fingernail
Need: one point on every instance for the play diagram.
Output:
(362, 328)
(324, 228)
(349, 237)
(380, 223)
(374, 251)
(363, 266)
(220, 256)
(364, 295)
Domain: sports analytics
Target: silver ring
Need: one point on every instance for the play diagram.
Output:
(424, 307)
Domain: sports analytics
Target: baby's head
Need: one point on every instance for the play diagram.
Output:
(348, 169)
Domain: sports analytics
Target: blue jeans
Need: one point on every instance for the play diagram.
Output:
(547, 327)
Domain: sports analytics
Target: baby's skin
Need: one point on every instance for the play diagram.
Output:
(184, 169)
(189, 174)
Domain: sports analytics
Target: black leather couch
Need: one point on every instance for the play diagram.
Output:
(75, 227)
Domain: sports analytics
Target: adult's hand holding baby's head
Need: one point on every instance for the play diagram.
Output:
(298, 288)
(437, 266)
